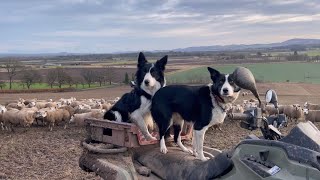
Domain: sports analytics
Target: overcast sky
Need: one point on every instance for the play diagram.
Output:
(103, 26)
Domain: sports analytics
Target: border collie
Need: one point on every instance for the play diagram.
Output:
(204, 106)
(135, 106)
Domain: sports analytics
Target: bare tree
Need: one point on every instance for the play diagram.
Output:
(77, 80)
(109, 74)
(69, 80)
(12, 67)
(100, 77)
(62, 76)
(30, 76)
(51, 77)
(89, 76)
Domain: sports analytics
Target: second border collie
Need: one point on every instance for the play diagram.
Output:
(135, 106)
(203, 106)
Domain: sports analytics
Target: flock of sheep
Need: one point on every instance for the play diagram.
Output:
(309, 111)
(48, 112)
(64, 111)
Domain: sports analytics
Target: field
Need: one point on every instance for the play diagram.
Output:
(37, 153)
(265, 72)
(312, 52)
(19, 86)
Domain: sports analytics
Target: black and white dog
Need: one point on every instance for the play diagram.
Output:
(203, 106)
(135, 106)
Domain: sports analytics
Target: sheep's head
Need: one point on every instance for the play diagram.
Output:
(238, 107)
(3, 109)
(32, 104)
(305, 111)
(41, 114)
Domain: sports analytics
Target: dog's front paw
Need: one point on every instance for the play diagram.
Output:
(151, 138)
(188, 151)
(164, 150)
(202, 158)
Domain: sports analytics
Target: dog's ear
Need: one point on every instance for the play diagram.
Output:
(162, 63)
(213, 73)
(141, 60)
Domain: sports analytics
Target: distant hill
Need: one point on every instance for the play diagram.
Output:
(237, 47)
(289, 44)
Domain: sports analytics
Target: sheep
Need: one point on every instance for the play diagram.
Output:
(238, 109)
(312, 115)
(311, 106)
(28, 101)
(75, 104)
(51, 104)
(96, 106)
(293, 112)
(70, 109)
(80, 110)
(298, 112)
(18, 105)
(55, 117)
(67, 101)
(18, 117)
(78, 119)
(41, 105)
(2, 111)
(106, 106)
(287, 110)
(40, 115)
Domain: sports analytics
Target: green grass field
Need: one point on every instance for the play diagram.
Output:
(18, 86)
(275, 72)
(313, 52)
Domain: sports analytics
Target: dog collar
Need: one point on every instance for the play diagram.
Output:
(218, 99)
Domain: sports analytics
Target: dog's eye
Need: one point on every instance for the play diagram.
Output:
(230, 81)
(221, 81)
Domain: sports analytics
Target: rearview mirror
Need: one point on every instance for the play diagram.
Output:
(271, 97)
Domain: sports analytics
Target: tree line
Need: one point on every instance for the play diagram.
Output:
(58, 76)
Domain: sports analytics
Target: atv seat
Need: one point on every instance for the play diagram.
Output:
(177, 164)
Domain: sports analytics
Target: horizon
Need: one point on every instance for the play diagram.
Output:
(100, 26)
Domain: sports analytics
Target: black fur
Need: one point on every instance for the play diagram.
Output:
(193, 103)
(131, 101)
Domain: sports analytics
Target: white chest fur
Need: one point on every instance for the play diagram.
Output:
(218, 114)
(145, 105)
(143, 109)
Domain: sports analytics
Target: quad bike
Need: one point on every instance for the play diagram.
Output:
(118, 151)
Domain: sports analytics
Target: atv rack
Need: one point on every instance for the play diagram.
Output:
(124, 134)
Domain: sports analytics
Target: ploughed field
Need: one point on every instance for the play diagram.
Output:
(37, 153)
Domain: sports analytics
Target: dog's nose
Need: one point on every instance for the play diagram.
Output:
(146, 82)
(225, 90)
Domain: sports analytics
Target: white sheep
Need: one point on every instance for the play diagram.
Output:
(312, 115)
(18, 106)
(3, 109)
(18, 117)
(237, 109)
(53, 117)
(78, 119)
(311, 106)
(293, 112)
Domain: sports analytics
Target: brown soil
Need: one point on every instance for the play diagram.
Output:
(36, 153)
